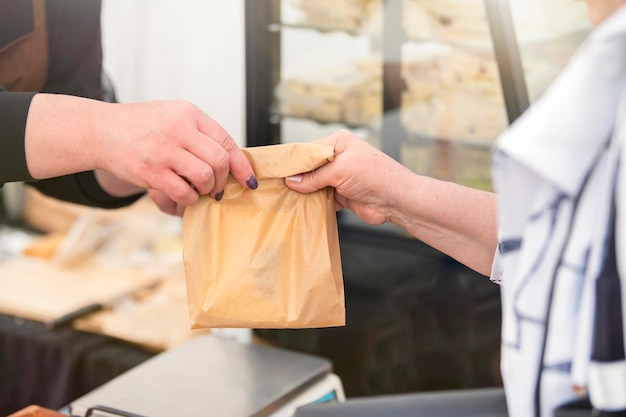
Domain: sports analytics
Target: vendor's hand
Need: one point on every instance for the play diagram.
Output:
(171, 148)
(364, 177)
(168, 146)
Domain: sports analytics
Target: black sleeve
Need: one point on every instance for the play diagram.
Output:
(82, 188)
(13, 113)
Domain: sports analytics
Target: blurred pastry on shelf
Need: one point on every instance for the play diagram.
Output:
(355, 16)
(350, 95)
(452, 94)
(422, 65)
(459, 22)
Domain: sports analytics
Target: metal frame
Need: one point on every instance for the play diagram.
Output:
(393, 37)
(262, 70)
(508, 57)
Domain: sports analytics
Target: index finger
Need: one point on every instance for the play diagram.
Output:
(239, 165)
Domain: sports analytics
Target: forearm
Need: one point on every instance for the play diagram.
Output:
(61, 135)
(459, 221)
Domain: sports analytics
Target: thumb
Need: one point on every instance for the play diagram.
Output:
(307, 182)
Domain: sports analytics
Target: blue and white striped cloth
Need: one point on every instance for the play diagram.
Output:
(561, 185)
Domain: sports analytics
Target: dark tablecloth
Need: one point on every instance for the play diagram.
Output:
(53, 367)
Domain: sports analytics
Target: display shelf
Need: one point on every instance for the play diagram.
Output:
(467, 143)
(358, 17)
(278, 26)
(496, 64)
(384, 95)
(277, 117)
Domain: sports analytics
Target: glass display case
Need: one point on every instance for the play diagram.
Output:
(432, 83)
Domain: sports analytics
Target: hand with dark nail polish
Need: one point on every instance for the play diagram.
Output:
(252, 183)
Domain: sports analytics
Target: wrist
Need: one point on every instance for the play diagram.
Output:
(402, 202)
(59, 137)
(99, 119)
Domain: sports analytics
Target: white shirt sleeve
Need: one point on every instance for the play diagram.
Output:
(496, 268)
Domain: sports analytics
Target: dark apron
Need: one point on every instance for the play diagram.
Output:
(23, 45)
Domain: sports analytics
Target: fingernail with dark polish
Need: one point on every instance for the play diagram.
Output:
(251, 183)
(219, 195)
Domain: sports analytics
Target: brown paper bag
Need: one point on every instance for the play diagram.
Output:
(266, 258)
